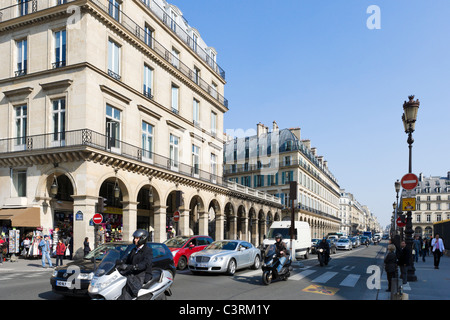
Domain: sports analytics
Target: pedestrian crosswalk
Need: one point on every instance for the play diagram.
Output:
(341, 276)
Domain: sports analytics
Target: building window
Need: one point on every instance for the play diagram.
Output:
(113, 120)
(213, 123)
(19, 182)
(417, 217)
(148, 36)
(21, 47)
(114, 9)
(195, 159)
(114, 60)
(175, 58)
(196, 112)
(438, 217)
(148, 75)
(213, 165)
(20, 120)
(173, 23)
(174, 151)
(22, 5)
(59, 120)
(196, 75)
(147, 140)
(194, 43)
(175, 104)
(428, 217)
(60, 49)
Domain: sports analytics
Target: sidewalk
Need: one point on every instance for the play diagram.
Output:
(431, 284)
(26, 265)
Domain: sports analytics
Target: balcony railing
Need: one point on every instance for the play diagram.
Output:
(22, 8)
(87, 137)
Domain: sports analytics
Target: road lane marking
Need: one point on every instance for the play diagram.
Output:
(325, 277)
(350, 280)
(301, 275)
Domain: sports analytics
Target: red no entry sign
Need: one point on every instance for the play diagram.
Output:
(409, 181)
(400, 224)
(176, 216)
(98, 218)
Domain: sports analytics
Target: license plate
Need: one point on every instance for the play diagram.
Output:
(66, 284)
(202, 265)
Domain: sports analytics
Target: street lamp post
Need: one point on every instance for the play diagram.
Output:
(409, 117)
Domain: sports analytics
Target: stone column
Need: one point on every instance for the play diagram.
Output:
(183, 223)
(129, 220)
(160, 224)
(220, 219)
(85, 205)
(203, 222)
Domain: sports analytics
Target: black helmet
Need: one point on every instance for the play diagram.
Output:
(142, 235)
(278, 236)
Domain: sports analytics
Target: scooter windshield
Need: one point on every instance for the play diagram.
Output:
(108, 263)
(270, 250)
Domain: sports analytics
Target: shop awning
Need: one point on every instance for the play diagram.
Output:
(23, 217)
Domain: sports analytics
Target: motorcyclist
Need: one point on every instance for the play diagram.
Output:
(281, 251)
(138, 265)
(326, 248)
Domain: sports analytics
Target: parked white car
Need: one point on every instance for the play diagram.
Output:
(344, 244)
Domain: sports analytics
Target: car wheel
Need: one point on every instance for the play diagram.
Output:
(231, 267)
(182, 263)
(257, 263)
(306, 256)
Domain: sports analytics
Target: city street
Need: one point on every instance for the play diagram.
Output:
(345, 278)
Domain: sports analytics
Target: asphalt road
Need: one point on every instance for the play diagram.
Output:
(345, 278)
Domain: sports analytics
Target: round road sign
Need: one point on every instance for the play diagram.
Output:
(409, 181)
(176, 216)
(98, 218)
(400, 224)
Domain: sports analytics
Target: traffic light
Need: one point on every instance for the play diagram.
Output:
(102, 203)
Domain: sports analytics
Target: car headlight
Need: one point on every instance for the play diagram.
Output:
(217, 259)
(101, 285)
(55, 273)
(175, 252)
(86, 276)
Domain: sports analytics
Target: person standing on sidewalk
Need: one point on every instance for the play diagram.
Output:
(416, 248)
(390, 265)
(403, 261)
(86, 249)
(45, 248)
(2, 243)
(438, 249)
(60, 251)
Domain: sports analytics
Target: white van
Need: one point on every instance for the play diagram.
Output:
(302, 237)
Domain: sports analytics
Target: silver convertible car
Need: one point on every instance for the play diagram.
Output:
(225, 256)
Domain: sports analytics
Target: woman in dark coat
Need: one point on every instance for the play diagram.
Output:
(390, 264)
(86, 249)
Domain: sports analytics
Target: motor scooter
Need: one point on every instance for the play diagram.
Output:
(270, 265)
(108, 281)
(322, 256)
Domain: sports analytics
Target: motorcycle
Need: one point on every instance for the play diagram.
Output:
(108, 281)
(270, 265)
(322, 256)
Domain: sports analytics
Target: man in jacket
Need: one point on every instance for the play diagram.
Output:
(281, 251)
(45, 247)
(138, 266)
(403, 261)
(326, 248)
(437, 246)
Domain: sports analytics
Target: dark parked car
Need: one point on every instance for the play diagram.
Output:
(73, 278)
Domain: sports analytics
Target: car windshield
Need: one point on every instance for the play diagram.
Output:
(343, 240)
(101, 250)
(283, 231)
(222, 245)
(176, 242)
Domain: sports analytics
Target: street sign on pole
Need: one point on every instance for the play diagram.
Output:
(400, 222)
(408, 204)
(98, 218)
(176, 216)
(409, 181)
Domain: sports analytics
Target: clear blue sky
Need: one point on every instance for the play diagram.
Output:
(315, 65)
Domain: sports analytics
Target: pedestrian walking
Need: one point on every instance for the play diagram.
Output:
(438, 249)
(45, 247)
(390, 265)
(424, 249)
(60, 251)
(416, 248)
(2, 243)
(403, 261)
(86, 249)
